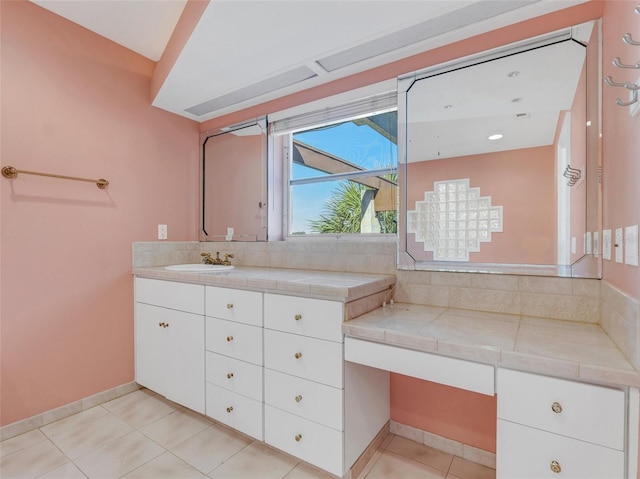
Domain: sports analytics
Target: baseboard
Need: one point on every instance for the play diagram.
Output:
(47, 417)
(473, 454)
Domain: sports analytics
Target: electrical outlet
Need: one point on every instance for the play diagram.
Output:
(618, 245)
(162, 232)
(606, 244)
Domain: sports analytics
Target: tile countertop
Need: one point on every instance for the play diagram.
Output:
(568, 349)
(308, 283)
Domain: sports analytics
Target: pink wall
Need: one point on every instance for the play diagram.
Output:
(621, 138)
(513, 179)
(463, 416)
(74, 103)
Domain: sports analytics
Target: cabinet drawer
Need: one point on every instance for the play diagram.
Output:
(527, 453)
(236, 340)
(432, 367)
(311, 400)
(307, 440)
(585, 411)
(309, 317)
(170, 294)
(234, 305)
(235, 410)
(314, 359)
(235, 375)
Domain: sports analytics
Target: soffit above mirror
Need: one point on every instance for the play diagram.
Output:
(290, 46)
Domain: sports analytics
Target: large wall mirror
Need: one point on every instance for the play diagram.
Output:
(234, 183)
(499, 160)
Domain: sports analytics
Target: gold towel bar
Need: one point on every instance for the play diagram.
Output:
(11, 172)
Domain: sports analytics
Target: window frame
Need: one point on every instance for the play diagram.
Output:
(340, 113)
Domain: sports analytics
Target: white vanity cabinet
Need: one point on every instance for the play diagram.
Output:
(169, 340)
(555, 428)
(234, 376)
(317, 407)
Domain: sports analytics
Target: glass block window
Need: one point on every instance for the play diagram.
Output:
(453, 220)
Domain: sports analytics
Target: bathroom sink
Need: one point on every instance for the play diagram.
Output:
(199, 268)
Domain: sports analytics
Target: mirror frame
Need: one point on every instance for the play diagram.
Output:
(588, 266)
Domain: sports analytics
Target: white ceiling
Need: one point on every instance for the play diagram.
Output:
(246, 52)
(519, 96)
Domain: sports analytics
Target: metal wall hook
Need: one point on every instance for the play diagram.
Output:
(633, 100)
(629, 40)
(628, 85)
(619, 64)
(572, 174)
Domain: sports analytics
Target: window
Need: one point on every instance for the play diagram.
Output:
(343, 171)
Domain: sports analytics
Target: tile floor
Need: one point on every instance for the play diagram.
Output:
(143, 436)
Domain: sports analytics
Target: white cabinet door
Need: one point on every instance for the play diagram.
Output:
(169, 354)
(151, 346)
(185, 352)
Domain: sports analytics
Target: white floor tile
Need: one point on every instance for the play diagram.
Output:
(119, 457)
(209, 448)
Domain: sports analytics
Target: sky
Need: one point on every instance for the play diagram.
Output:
(361, 145)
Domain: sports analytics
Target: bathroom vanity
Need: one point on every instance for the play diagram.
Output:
(261, 350)
(567, 398)
(301, 359)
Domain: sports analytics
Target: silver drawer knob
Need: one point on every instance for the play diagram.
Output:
(229, 305)
(230, 408)
(229, 338)
(229, 375)
(298, 355)
(298, 317)
(298, 398)
(298, 437)
(555, 467)
(556, 407)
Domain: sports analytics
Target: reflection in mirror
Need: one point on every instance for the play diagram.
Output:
(233, 175)
(496, 157)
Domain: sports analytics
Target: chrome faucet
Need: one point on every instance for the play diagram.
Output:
(207, 259)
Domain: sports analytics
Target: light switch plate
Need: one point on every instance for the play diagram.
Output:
(631, 245)
(587, 242)
(162, 232)
(606, 244)
(618, 245)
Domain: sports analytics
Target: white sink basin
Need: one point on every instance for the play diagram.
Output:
(200, 268)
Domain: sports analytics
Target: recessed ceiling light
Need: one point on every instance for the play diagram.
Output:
(513, 74)
(497, 136)
(446, 107)
(516, 100)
